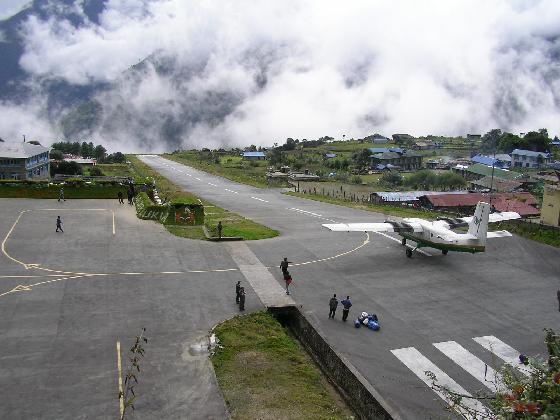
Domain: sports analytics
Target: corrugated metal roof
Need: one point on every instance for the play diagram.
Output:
(521, 152)
(410, 195)
(253, 154)
(497, 184)
(21, 150)
(521, 203)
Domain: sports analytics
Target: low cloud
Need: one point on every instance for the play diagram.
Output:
(253, 72)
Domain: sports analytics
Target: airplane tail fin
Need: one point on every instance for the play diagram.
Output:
(478, 226)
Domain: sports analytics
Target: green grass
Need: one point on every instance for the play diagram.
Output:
(264, 373)
(115, 169)
(378, 208)
(230, 167)
(532, 231)
(233, 224)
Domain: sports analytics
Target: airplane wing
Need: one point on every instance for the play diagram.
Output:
(375, 227)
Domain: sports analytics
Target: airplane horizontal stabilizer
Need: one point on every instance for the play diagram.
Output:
(497, 217)
(498, 234)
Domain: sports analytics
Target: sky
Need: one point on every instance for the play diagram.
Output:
(11, 7)
(254, 72)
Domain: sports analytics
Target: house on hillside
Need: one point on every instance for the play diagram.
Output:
(24, 161)
(402, 138)
(396, 157)
(254, 156)
(330, 155)
(473, 137)
(529, 159)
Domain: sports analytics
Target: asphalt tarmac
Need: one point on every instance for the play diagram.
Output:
(503, 297)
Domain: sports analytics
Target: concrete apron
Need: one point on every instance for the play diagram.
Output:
(360, 395)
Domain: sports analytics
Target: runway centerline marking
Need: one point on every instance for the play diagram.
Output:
(113, 211)
(119, 370)
(214, 185)
(260, 199)
(198, 179)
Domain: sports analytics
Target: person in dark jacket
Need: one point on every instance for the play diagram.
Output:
(220, 230)
(333, 304)
(237, 291)
(242, 299)
(288, 280)
(120, 197)
(284, 266)
(59, 224)
(346, 304)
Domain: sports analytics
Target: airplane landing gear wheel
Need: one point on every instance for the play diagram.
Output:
(444, 251)
(403, 242)
(409, 252)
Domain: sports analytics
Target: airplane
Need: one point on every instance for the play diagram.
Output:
(439, 234)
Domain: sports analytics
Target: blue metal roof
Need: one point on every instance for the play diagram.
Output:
(253, 154)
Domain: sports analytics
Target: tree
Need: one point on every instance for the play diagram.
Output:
(491, 140)
(536, 141)
(99, 152)
(275, 156)
(95, 171)
(68, 168)
(362, 159)
(56, 154)
(508, 142)
(391, 178)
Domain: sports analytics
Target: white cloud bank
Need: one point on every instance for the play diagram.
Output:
(254, 72)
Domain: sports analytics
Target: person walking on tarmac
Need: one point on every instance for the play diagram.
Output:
(59, 224)
(346, 305)
(288, 280)
(120, 197)
(333, 303)
(284, 266)
(61, 194)
(237, 291)
(242, 299)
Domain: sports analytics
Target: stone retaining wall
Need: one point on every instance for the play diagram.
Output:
(354, 388)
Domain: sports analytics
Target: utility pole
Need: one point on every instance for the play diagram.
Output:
(23, 137)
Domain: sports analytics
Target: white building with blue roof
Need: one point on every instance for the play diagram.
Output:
(529, 159)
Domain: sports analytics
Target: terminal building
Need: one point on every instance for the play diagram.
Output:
(24, 161)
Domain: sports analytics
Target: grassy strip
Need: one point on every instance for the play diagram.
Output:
(378, 208)
(233, 224)
(264, 373)
(532, 231)
(114, 169)
(244, 174)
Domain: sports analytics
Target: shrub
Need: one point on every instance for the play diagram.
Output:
(356, 179)
(95, 171)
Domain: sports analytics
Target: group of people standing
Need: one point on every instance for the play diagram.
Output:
(346, 305)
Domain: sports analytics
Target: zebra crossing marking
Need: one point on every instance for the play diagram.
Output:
(472, 364)
(503, 351)
(419, 364)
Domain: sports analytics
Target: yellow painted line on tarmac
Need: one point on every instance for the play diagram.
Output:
(119, 369)
(6, 239)
(366, 241)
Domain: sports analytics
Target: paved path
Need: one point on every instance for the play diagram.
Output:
(507, 293)
(265, 286)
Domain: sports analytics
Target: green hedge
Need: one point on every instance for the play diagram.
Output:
(72, 190)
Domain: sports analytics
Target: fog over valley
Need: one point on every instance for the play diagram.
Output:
(141, 75)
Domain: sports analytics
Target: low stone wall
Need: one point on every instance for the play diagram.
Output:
(354, 388)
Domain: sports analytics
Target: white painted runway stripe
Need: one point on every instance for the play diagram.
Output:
(398, 240)
(214, 185)
(419, 364)
(472, 364)
(260, 199)
(198, 179)
(231, 191)
(310, 214)
(503, 351)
